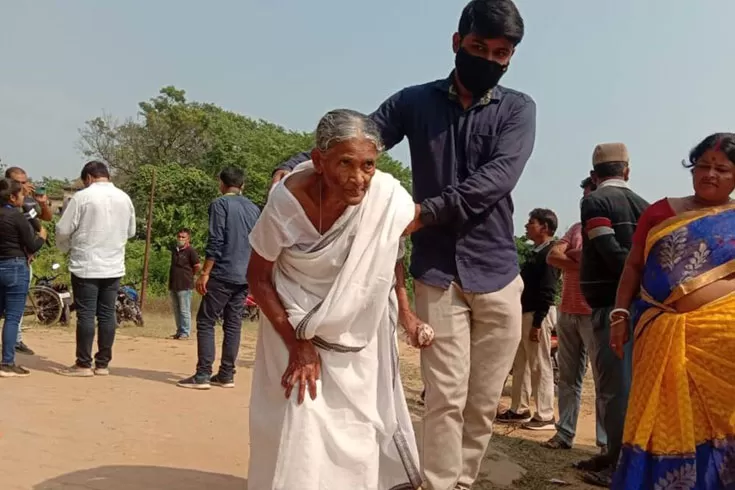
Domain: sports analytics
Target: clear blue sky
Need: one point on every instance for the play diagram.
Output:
(651, 73)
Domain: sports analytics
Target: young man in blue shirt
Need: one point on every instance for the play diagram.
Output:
(470, 140)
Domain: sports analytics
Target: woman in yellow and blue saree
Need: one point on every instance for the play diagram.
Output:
(680, 423)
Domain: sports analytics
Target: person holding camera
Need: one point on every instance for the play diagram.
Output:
(36, 208)
(17, 239)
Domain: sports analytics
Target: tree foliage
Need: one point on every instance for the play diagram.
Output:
(186, 144)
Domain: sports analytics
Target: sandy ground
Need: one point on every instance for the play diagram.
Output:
(136, 430)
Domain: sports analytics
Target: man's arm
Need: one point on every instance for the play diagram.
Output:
(46, 213)
(216, 239)
(194, 260)
(131, 221)
(389, 122)
(67, 225)
(547, 291)
(493, 180)
(599, 230)
(558, 257)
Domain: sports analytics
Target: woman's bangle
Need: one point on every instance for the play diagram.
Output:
(621, 311)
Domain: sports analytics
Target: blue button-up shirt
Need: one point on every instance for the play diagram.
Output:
(231, 219)
(465, 163)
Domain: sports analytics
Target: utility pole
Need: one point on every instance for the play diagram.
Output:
(146, 256)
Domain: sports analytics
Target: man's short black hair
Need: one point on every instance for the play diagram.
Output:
(10, 171)
(96, 170)
(492, 19)
(8, 187)
(610, 169)
(184, 230)
(232, 177)
(545, 217)
(588, 182)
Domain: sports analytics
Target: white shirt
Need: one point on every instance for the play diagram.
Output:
(94, 228)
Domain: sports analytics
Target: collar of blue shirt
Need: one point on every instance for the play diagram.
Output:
(447, 85)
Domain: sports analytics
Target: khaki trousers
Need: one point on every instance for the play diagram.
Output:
(532, 368)
(464, 371)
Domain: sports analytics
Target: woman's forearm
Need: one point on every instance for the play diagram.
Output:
(628, 287)
(404, 305)
(266, 296)
(630, 281)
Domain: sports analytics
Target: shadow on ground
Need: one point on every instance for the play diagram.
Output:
(39, 363)
(142, 478)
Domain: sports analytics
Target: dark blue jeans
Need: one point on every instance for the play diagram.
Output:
(95, 298)
(14, 281)
(224, 299)
(614, 378)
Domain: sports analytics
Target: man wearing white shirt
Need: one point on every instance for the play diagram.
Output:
(95, 226)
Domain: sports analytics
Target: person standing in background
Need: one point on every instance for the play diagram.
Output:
(576, 340)
(96, 225)
(609, 217)
(223, 281)
(533, 354)
(17, 239)
(184, 265)
(35, 207)
(470, 139)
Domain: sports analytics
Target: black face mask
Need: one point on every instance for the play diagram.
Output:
(478, 75)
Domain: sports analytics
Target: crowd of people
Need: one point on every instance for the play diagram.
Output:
(648, 294)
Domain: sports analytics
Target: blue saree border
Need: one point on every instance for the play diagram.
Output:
(712, 467)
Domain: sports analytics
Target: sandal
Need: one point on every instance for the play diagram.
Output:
(555, 443)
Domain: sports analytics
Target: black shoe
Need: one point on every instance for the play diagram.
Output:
(222, 381)
(594, 464)
(13, 371)
(510, 417)
(180, 336)
(195, 382)
(599, 479)
(22, 348)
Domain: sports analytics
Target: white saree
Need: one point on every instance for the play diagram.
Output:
(338, 292)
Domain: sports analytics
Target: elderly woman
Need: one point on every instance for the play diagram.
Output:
(323, 268)
(680, 425)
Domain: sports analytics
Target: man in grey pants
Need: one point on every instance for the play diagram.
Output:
(576, 341)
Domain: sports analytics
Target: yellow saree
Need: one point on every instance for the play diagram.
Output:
(680, 423)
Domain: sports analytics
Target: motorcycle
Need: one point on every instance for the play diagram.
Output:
(127, 306)
(62, 291)
(252, 311)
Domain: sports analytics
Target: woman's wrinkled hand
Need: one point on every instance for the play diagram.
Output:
(304, 368)
(619, 334)
(418, 333)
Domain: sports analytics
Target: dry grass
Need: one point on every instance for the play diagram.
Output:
(540, 464)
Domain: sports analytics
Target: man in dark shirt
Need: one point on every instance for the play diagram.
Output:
(533, 358)
(223, 283)
(609, 217)
(184, 264)
(470, 140)
(35, 208)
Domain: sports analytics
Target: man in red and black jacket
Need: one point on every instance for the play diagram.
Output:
(609, 217)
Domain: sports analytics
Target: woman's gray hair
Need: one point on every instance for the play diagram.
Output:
(345, 124)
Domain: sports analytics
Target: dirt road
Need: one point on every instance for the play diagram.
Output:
(134, 430)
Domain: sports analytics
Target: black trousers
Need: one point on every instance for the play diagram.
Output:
(95, 298)
(227, 300)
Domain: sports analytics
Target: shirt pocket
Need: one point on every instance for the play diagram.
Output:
(480, 151)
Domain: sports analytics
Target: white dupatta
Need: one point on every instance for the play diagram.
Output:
(338, 292)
